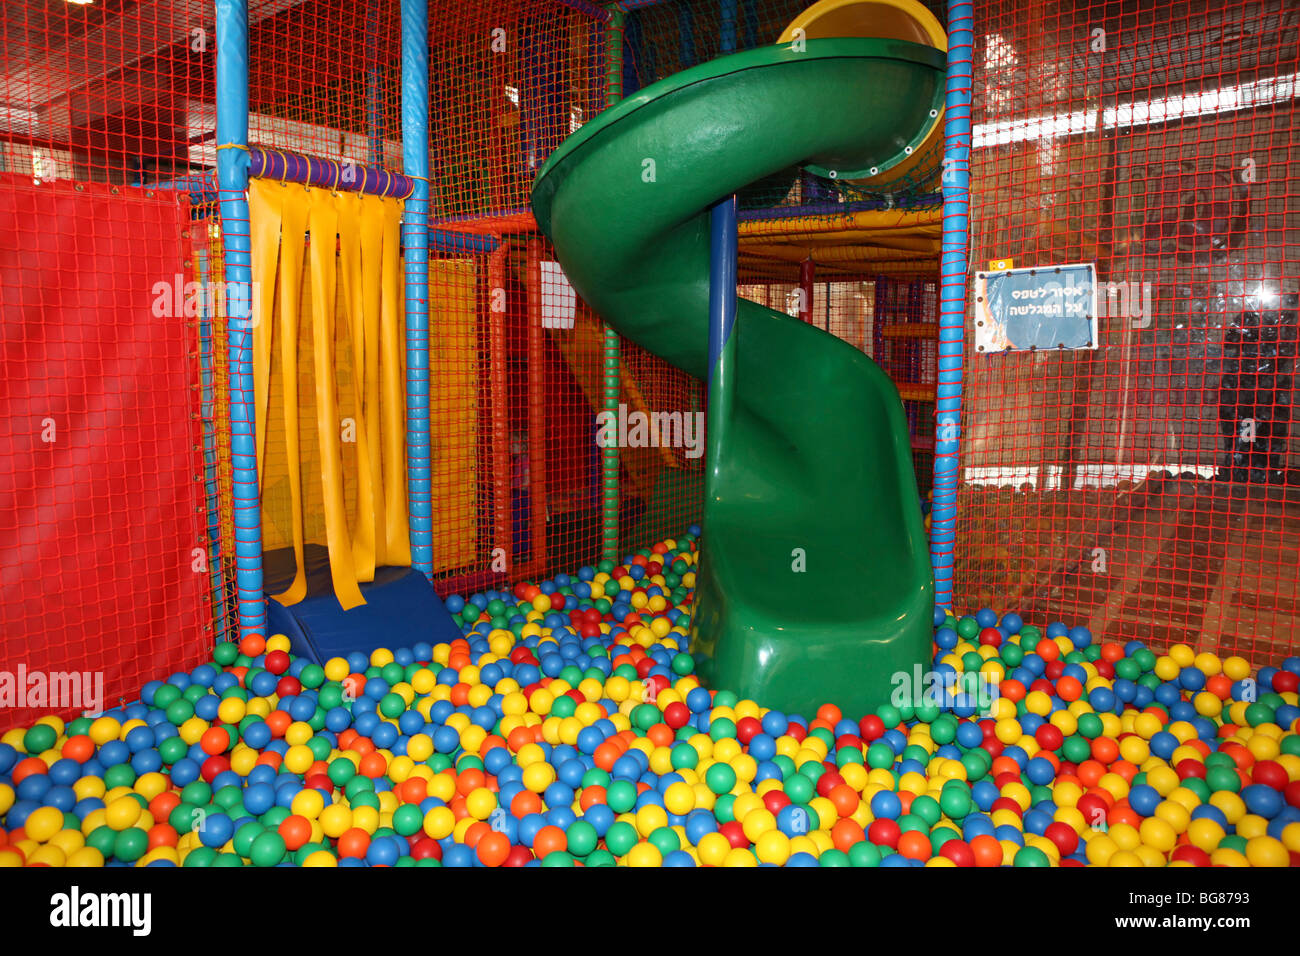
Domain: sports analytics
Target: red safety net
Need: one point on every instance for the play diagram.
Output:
(106, 569)
(102, 558)
(1148, 488)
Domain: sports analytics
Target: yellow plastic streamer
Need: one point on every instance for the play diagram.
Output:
(394, 401)
(353, 280)
(295, 212)
(372, 258)
(323, 223)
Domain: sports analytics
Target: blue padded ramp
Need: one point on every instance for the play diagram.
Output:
(401, 610)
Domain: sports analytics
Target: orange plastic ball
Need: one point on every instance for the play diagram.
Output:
(915, 845)
(354, 842)
(549, 839)
(846, 833)
(493, 848)
(252, 645)
(987, 850)
(295, 830)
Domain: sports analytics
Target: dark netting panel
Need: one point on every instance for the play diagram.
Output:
(894, 320)
(668, 37)
(1147, 488)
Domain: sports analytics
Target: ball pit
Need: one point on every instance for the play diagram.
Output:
(567, 728)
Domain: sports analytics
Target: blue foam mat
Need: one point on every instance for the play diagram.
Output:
(401, 610)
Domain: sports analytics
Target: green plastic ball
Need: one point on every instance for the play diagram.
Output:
(39, 738)
(621, 837)
(720, 778)
(131, 844)
(267, 850)
(582, 838)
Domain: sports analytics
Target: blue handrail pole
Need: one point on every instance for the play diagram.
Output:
(415, 240)
(952, 297)
(232, 186)
(723, 270)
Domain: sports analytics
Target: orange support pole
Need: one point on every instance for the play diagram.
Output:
(499, 390)
(806, 273)
(536, 411)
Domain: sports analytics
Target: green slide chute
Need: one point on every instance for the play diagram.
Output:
(814, 582)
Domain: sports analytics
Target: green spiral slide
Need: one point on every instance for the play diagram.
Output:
(814, 582)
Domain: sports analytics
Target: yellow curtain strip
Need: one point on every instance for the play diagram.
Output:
(295, 213)
(370, 499)
(351, 275)
(323, 224)
(393, 389)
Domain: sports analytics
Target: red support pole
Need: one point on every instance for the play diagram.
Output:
(499, 389)
(806, 290)
(536, 411)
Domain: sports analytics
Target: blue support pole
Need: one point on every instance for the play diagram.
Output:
(415, 240)
(723, 270)
(952, 296)
(232, 186)
(727, 27)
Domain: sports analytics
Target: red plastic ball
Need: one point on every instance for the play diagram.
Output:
(1286, 682)
(828, 782)
(735, 834)
(872, 727)
(677, 715)
(1191, 854)
(277, 662)
(426, 848)
(1063, 835)
(288, 687)
(1270, 773)
(959, 852)
(519, 856)
(213, 766)
(991, 636)
(1049, 737)
(747, 728)
(775, 801)
(884, 832)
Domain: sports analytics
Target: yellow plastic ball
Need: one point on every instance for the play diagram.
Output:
(122, 813)
(773, 847)
(679, 798)
(713, 849)
(1267, 851)
(49, 855)
(335, 820)
(1158, 834)
(1238, 668)
(85, 857)
(43, 823)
